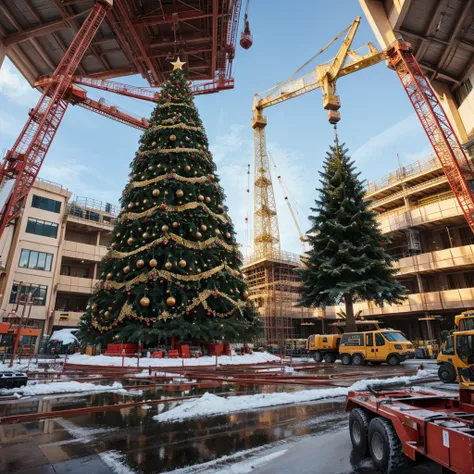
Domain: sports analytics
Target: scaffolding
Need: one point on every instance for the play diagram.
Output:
(273, 287)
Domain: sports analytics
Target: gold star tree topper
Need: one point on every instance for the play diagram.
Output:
(178, 64)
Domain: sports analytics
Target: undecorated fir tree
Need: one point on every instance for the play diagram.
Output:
(347, 261)
(173, 266)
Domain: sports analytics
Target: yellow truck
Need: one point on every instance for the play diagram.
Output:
(326, 346)
(457, 353)
(377, 347)
(464, 321)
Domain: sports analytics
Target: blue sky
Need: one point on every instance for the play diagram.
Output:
(90, 154)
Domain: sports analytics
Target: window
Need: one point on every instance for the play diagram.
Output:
(46, 204)
(352, 340)
(370, 339)
(36, 260)
(394, 337)
(379, 340)
(465, 348)
(20, 294)
(449, 346)
(44, 228)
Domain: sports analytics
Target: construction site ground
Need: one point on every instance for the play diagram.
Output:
(105, 423)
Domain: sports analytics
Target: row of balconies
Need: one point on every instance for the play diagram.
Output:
(81, 251)
(416, 302)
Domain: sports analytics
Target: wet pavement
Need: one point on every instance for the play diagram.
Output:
(129, 441)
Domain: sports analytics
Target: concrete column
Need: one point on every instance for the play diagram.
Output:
(449, 105)
(94, 276)
(98, 238)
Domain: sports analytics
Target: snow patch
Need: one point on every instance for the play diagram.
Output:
(63, 387)
(115, 461)
(209, 404)
(255, 358)
(65, 336)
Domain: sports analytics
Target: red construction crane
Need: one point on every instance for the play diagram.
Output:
(23, 162)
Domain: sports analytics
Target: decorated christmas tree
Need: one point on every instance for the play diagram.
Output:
(346, 261)
(173, 266)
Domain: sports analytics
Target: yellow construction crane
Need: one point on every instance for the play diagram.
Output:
(324, 76)
(432, 117)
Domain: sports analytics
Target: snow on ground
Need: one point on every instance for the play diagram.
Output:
(63, 387)
(255, 358)
(66, 336)
(210, 404)
(115, 461)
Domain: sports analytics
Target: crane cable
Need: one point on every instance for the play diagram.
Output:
(279, 84)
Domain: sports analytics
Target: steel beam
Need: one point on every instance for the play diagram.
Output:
(215, 17)
(170, 18)
(39, 30)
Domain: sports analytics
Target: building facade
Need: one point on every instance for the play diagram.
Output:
(50, 257)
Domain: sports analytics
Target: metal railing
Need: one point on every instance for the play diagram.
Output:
(419, 166)
(275, 255)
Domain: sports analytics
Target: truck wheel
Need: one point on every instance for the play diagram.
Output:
(330, 358)
(359, 420)
(317, 356)
(346, 359)
(385, 446)
(446, 373)
(393, 360)
(357, 359)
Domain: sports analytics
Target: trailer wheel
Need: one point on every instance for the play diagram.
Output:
(330, 358)
(358, 359)
(359, 420)
(446, 373)
(317, 356)
(393, 360)
(385, 446)
(346, 359)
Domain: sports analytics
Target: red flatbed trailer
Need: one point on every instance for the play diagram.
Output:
(414, 423)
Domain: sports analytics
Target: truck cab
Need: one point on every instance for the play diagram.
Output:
(384, 345)
(457, 353)
(464, 321)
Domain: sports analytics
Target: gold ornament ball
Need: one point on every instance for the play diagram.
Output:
(173, 138)
(220, 207)
(218, 232)
(182, 263)
(208, 200)
(130, 241)
(198, 235)
(145, 235)
(170, 301)
(201, 198)
(168, 265)
(117, 234)
(175, 224)
(245, 295)
(150, 168)
(109, 276)
(126, 269)
(153, 263)
(164, 228)
(145, 201)
(107, 314)
(153, 144)
(130, 205)
(145, 301)
(156, 192)
(140, 263)
(180, 193)
(187, 168)
(228, 236)
(204, 228)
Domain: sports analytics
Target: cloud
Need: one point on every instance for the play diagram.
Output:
(9, 126)
(401, 130)
(14, 87)
(233, 151)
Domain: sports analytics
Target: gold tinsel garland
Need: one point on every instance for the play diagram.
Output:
(177, 125)
(179, 240)
(171, 150)
(128, 311)
(132, 216)
(178, 104)
(116, 285)
(162, 177)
